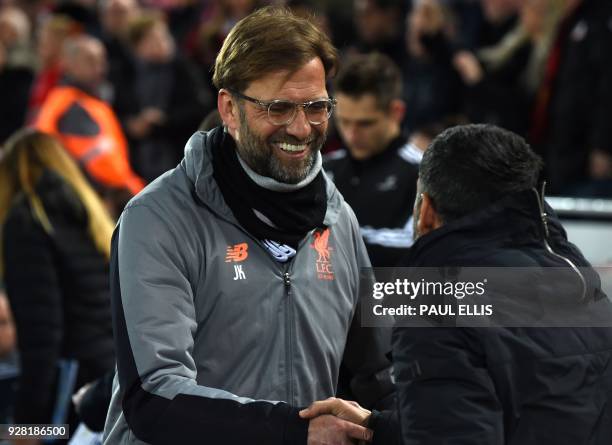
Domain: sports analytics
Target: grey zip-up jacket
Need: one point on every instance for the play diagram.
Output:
(217, 342)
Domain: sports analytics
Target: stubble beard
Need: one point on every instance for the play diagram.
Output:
(259, 155)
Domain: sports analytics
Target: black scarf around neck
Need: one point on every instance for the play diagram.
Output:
(292, 213)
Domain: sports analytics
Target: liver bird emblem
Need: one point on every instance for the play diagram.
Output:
(320, 245)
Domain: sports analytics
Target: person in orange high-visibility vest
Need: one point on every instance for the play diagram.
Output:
(86, 124)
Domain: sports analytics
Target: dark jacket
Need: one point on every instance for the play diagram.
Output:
(176, 90)
(502, 97)
(527, 386)
(576, 120)
(381, 191)
(15, 83)
(58, 289)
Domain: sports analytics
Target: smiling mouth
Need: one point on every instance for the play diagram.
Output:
(292, 148)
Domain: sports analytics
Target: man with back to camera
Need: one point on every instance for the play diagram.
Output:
(235, 276)
(377, 171)
(479, 205)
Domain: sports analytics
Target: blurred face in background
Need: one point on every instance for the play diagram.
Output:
(8, 34)
(50, 40)
(365, 127)
(87, 63)
(14, 26)
(496, 11)
(427, 17)
(375, 24)
(533, 14)
(540, 17)
(157, 45)
(238, 8)
(116, 16)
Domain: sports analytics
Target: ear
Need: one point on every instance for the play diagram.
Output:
(397, 110)
(228, 110)
(428, 217)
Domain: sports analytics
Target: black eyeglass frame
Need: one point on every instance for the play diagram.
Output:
(267, 104)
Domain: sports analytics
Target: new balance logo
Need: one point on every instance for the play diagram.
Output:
(239, 273)
(237, 253)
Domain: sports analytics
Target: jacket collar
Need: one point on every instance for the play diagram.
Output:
(199, 169)
(520, 230)
(512, 221)
(67, 81)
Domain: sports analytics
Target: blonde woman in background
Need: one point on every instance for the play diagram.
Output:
(539, 20)
(55, 243)
(502, 80)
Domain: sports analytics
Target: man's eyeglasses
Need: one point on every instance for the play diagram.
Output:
(283, 112)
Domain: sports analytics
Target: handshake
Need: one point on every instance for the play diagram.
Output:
(337, 422)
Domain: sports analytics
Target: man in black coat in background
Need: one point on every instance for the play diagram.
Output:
(477, 206)
(570, 117)
(376, 171)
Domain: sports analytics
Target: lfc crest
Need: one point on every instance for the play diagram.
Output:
(323, 262)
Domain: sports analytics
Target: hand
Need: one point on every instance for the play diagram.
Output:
(432, 16)
(469, 67)
(141, 125)
(138, 127)
(600, 164)
(153, 115)
(343, 409)
(77, 397)
(330, 430)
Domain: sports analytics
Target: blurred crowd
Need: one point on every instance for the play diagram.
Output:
(537, 67)
(122, 85)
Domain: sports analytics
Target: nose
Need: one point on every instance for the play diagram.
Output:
(300, 128)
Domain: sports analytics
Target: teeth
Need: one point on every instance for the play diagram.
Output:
(292, 148)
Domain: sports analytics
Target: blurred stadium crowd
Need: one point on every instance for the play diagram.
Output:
(537, 67)
(123, 84)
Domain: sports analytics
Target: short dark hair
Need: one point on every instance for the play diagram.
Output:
(470, 166)
(268, 40)
(372, 73)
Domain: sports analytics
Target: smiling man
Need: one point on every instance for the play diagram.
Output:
(236, 275)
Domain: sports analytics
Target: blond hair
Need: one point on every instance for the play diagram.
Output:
(26, 155)
(494, 57)
(270, 39)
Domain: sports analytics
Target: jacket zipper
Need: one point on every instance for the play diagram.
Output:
(543, 218)
(289, 328)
